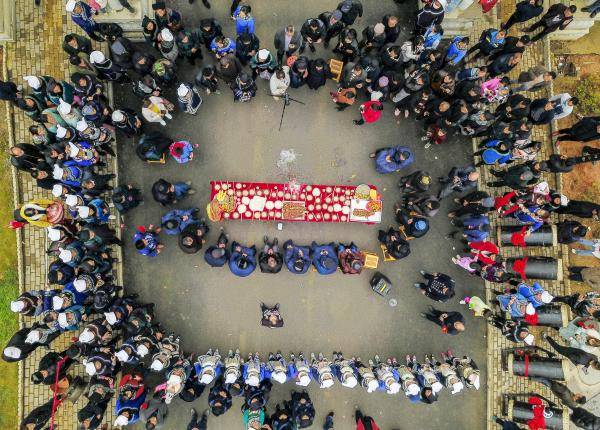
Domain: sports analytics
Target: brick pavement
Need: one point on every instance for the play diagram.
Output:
(37, 51)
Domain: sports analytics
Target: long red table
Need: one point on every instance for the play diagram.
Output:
(262, 201)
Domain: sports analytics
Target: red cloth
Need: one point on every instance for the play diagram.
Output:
(538, 422)
(16, 224)
(368, 113)
(519, 266)
(489, 248)
(487, 5)
(518, 238)
(361, 426)
(531, 319)
(134, 381)
(501, 201)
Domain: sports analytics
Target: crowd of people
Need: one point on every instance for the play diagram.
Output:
(439, 84)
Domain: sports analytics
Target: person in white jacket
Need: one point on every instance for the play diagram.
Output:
(564, 105)
(280, 81)
(155, 109)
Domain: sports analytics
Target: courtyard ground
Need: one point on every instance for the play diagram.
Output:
(212, 308)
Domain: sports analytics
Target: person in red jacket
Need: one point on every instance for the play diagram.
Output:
(364, 422)
(369, 112)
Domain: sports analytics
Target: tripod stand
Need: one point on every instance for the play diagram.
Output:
(286, 101)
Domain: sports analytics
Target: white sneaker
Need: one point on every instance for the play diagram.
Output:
(168, 116)
(161, 122)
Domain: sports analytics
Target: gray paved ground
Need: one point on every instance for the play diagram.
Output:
(212, 308)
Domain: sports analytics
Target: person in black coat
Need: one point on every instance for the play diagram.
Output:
(581, 209)
(431, 14)
(333, 25)
(270, 259)
(287, 48)
(570, 231)
(313, 31)
(17, 349)
(585, 419)
(219, 398)
(46, 373)
(38, 417)
(519, 176)
(9, 91)
(558, 16)
(585, 130)
(74, 44)
(575, 355)
(451, 322)
(439, 287)
(209, 28)
(392, 28)
(318, 72)
(504, 64)
(351, 10)
(246, 46)
(27, 157)
(126, 197)
(525, 10)
(396, 245)
(541, 111)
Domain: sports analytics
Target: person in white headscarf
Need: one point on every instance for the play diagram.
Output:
(71, 115)
(278, 367)
(322, 366)
(345, 370)
(188, 98)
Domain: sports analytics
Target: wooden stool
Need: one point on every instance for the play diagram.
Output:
(386, 254)
(371, 260)
(336, 67)
(162, 160)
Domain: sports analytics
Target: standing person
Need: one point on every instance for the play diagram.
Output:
(370, 112)
(313, 31)
(563, 105)
(558, 17)
(586, 130)
(287, 41)
(439, 287)
(280, 81)
(156, 109)
(82, 15)
(188, 98)
(198, 424)
(333, 25)
(592, 8)
(244, 21)
(459, 179)
(328, 425)
(506, 425)
(167, 193)
(591, 248)
(206, 3)
(351, 11)
(534, 79)
(431, 14)
(525, 10)
(9, 91)
(575, 355)
(146, 241)
(450, 322)
(364, 422)
(542, 111)
(244, 88)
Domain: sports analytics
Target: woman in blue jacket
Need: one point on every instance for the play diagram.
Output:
(325, 258)
(244, 21)
(243, 259)
(389, 160)
(297, 258)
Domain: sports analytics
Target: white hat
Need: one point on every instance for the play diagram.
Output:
(57, 172)
(71, 200)
(122, 355)
(436, 387)
(63, 107)
(394, 388)
(80, 285)
(412, 390)
(97, 57)
(207, 378)
(53, 233)
(117, 116)
(17, 306)
(90, 368)
(564, 200)
(62, 320)
(350, 382)
(252, 380)
(529, 309)
(327, 383)
(529, 339)
(83, 211)
(57, 190)
(157, 365)
(263, 54)
(86, 336)
(372, 385)
(82, 125)
(304, 380)
(12, 352)
(33, 336)
(230, 378)
(457, 387)
(476, 382)
(57, 302)
(70, 6)
(61, 132)
(542, 188)
(280, 377)
(73, 150)
(166, 35)
(65, 255)
(547, 297)
(111, 318)
(33, 81)
(182, 90)
(142, 350)
(121, 421)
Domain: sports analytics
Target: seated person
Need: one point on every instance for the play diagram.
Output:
(415, 226)
(175, 221)
(192, 236)
(325, 258)
(389, 160)
(515, 304)
(351, 259)
(270, 259)
(217, 255)
(296, 258)
(396, 246)
(243, 259)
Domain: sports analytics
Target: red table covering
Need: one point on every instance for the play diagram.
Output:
(294, 202)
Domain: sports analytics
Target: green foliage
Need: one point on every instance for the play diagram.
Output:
(9, 289)
(588, 93)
